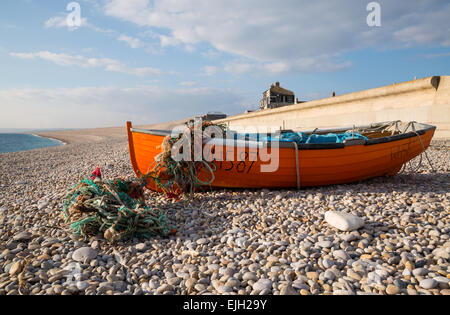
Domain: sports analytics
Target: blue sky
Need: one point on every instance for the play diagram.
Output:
(153, 61)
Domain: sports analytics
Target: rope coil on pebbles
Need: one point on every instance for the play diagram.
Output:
(115, 208)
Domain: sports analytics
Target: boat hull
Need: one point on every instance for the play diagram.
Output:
(318, 165)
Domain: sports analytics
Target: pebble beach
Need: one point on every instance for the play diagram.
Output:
(245, 242)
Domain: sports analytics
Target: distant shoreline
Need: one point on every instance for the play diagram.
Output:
(20, 142)
(119, 133)
(60, 141)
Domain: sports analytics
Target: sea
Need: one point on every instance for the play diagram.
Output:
(15, 142)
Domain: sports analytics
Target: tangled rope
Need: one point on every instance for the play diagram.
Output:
(419, 165)
(178, 177)
(115, 208)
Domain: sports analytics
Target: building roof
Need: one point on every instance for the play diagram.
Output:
(280, 90)
(277, 89)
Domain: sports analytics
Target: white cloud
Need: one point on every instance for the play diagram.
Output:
(211, 54)
(306, 65)
(168, 41)
(210, 70)
(134, 42)
(240, 68)
(426, 26)
(23, 55)
(131, 41)
(110, 106)
(60, 21)
(85, 62)
(303, 35)
(188, 83)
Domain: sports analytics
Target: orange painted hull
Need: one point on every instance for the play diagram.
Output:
(317, 167)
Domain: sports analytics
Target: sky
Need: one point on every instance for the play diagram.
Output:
(99, 63)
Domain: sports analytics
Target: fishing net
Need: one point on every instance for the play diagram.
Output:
(186, 176)
(115, 208)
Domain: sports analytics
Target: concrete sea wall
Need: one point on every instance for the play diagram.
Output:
(425, 100)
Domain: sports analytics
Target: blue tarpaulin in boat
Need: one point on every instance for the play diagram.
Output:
(301, 137)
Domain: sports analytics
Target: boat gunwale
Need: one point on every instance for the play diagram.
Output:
(318, 146)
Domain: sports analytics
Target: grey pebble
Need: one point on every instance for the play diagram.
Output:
(262, 284)
(428, 283)
(84, 253)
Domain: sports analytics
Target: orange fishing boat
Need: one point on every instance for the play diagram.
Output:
(386, 147)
